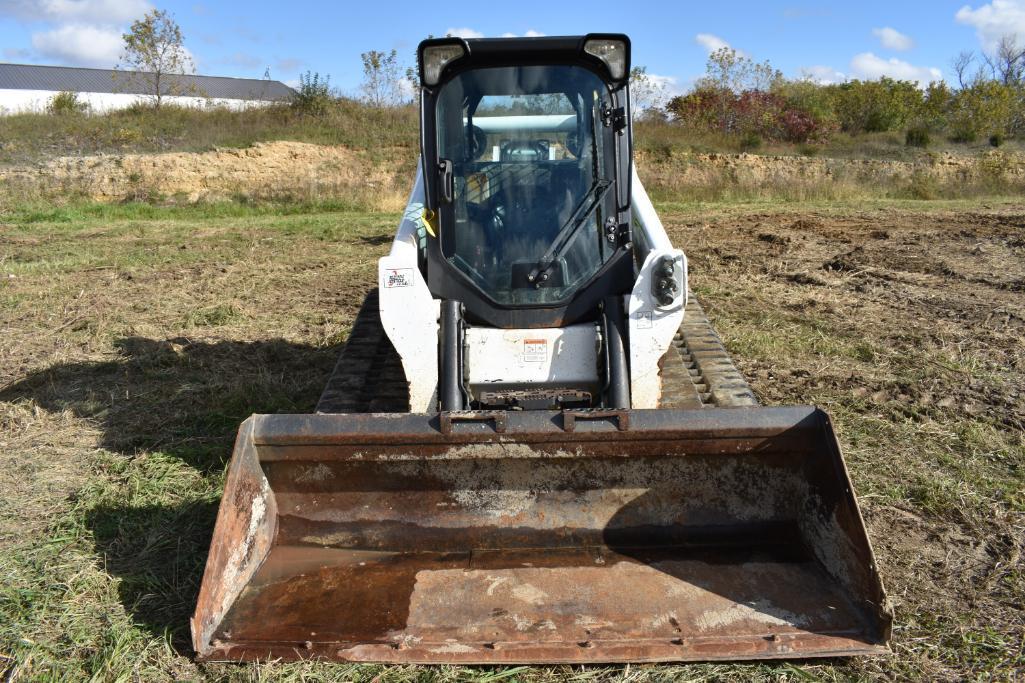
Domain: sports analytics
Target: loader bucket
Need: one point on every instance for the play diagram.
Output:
(630, 536)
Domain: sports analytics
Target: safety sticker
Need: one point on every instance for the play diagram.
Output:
(644, 320)
(398, 277)
(535, 350)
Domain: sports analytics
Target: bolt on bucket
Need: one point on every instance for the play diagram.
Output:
(629, 536)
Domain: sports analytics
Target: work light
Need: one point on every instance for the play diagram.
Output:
(610, 51)
(436, 57)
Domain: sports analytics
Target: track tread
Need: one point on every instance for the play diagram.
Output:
(368, 377)
(697, 370)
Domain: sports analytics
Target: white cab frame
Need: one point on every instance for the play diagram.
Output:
(409, 314)
(651, 326)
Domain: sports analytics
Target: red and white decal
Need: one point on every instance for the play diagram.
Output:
(535, 350)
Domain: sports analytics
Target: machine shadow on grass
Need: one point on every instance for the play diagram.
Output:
(182, 398)
(159, 553)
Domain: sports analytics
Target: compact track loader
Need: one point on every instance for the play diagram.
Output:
(534, 448)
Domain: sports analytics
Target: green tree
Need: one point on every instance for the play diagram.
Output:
(728, 69)
(154, 51)
(381, 85)
(875, 106)
(933, 114)
(727, 75)
(805, 95)
(983, 108)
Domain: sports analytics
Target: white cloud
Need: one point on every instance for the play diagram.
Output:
(77, 32)
(710, 42)
(80, 45)
(464, 32)
(994, 20)
(407, 90)
(868, 66)
(667, 83)
(531, 33)
(823, 75)
(105, 12)
(893, 39)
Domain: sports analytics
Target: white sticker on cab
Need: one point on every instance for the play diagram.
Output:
(398, 277)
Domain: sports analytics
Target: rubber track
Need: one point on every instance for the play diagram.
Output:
(368, 378)
(697, 370)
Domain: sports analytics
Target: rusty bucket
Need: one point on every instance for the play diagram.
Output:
(631, 536)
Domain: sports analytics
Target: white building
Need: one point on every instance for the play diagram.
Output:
(30, 87)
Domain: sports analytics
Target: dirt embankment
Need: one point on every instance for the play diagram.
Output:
(298, 170)
(294, 170)
(675, 171)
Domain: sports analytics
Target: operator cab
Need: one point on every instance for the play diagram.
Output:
(526, 153)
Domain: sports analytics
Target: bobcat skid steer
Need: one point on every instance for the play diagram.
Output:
(534, 448)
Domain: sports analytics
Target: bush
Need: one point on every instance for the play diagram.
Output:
(876, 106)
(750, 141)
(66, 103)
(964, 132)
(922, 186)
(750, 114)
(996, 139)
(313, 96)
(917, 137)
(982, 107)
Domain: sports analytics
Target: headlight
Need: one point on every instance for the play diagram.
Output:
(610, 51)
(436, 57)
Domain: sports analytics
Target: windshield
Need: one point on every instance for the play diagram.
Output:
(527, 146)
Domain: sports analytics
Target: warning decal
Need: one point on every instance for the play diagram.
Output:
(535, 350)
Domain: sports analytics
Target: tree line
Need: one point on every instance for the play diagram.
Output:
(753, 102)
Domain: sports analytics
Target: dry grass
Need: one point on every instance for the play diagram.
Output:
(136, 337)
(32, 138)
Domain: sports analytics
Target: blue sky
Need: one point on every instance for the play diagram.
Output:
(831, 41)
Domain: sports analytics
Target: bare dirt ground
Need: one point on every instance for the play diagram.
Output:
(134, 343)
(909, 328)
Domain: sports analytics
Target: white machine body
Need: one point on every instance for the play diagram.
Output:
(562, 358)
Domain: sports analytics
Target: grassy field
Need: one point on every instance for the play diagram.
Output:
(136, 338)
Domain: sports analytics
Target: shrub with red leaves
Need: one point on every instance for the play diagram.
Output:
(751, 113)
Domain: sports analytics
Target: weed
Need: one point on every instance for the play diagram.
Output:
(750, 141)
(917, 137)
(66, 103)
(313, 96)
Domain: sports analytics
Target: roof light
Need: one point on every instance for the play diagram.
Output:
(610, 51)
(436, 57)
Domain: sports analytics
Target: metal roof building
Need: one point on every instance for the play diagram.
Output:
(108, 88)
